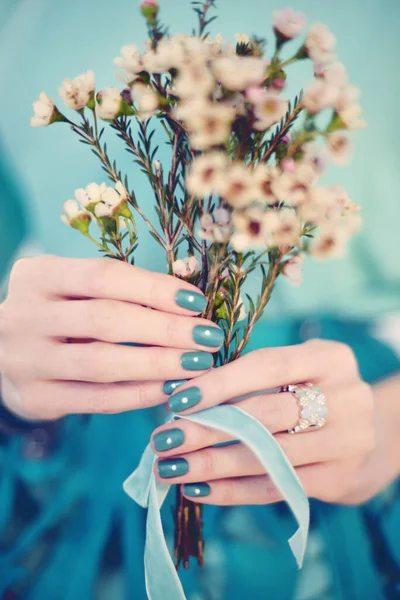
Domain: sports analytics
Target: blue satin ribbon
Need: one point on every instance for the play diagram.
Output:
(161, 577)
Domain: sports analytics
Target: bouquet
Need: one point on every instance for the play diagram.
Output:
(238, 193)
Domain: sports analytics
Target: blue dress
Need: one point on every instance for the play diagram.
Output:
(67, 530)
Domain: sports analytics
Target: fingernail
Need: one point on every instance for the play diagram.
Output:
(185, 399)
(208, 336)
(170, 386)
(165, 440)
(197, 361)
(172, 467)
(191, 300)
(196, 489)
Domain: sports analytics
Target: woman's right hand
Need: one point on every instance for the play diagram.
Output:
(61, 329)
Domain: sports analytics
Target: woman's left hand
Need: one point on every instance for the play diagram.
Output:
(333, 462)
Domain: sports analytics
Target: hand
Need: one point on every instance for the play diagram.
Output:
(335, 463)
(60, 327)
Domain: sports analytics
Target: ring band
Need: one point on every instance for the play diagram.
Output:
(312, 405)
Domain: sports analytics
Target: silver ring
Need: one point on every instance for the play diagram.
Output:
(312, 405)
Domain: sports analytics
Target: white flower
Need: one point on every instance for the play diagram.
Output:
(351, 116)
(146, 100)
(91, 195)
(269, 108)
(319, 95)
(330, 242)
(348, 94)
(282, 228)
(321, 206)
(236, 73)
(77, 92)
(186, 267)
(314, 156)
(320, 43)
(339, 147)
(209, 123)
(288, 23)
(242, 38)
(169, 54)
(43, 111)
(249, 229)
(264, 175)
(194, 81)
(237, 187)
(205, 173)
(294, 187)
(218, 230)
(103, 210)
(75, 217)
(335, 74)
(130, 62)
(293, 269)
(342, 198)
(108, 103)
(114, 197)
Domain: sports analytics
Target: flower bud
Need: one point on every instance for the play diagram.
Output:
(149, 9)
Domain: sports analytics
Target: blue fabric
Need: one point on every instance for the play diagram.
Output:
(79, 502)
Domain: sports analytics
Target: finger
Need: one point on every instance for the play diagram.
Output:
(277, 412)
(55, 399)
(318, 446)
(252, 490)
(115, 321)
(107, 363)
(315, 361)
(105, 278)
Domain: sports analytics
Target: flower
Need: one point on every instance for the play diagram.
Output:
(335, 74)
(130, 62)
(282, 228)
(314, 156)
(287, 23)
(76, 93)
(294, 187)
(108, 103)
(146, 99)
(185, 267)
(330, 242)
(343, 200)
(350, 116)
(169, 54)
(293, 269)
(205, 173)
(236, 73)
(269, 108)
(44, 111)
(219, 230)
(91, 195)
(209, 123)
(264, 175)
(249, 229)
(237, 186)
(75, 217)
(339, 147)
(194, 81)
(116, 199)
(319, 95)
(320, 43)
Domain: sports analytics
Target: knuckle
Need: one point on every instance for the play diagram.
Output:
(208, 463)
(345, 355)
(87, 363)
(99, 316)
(225, 491)
(173, 330)
(95, 275)
(101, 400)
(140, 396)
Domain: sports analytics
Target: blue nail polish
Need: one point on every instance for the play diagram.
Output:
(197, 361)
(170, 386)
(166, 440)
(194, 490)
(184, 399)
(191, 300)
(208, 336)
(172, 467)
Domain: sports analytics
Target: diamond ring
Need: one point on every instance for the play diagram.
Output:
(312, 405)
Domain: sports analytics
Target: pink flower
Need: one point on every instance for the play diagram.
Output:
(186, 267)
(293, 269)
(288, 23)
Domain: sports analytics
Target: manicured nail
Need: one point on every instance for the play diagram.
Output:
(185, 399)
(170, 386)
(196, 489)
(191, 300)
(165, 440)
(197, 361)
(172, 467)
(208, 336)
